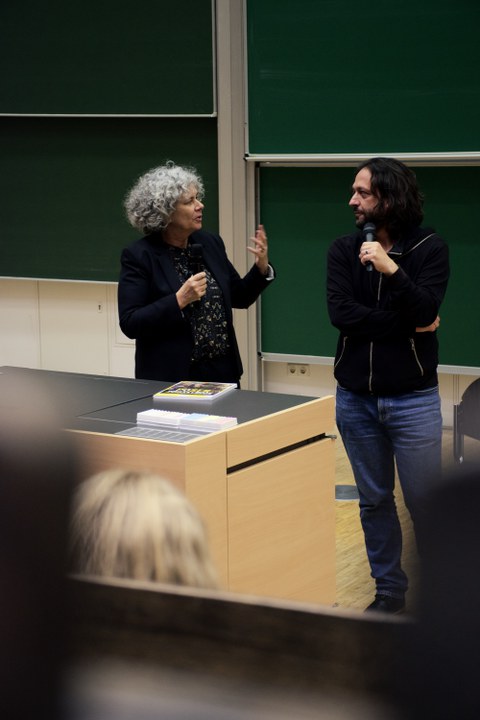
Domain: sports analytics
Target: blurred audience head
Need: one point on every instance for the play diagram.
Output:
(138, 525)
(439, 677)
(38, 471)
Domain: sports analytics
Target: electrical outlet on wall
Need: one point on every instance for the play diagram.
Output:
(298, 369)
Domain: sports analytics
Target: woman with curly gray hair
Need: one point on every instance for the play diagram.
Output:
(177, 286)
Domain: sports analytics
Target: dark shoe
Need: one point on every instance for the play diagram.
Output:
(387, 604)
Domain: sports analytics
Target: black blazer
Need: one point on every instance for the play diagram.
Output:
(149, 312)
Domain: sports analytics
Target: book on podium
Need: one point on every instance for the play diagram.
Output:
(193, 390)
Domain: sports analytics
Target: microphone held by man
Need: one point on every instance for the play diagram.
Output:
(369, 235)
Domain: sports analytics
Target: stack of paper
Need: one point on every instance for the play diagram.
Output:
(205, 423)
(160, 417)
(185, 421)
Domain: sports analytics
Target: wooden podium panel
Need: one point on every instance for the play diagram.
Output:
(281, 526)
(196, 467)
(265, 488)
(271, 522)
(280, 430)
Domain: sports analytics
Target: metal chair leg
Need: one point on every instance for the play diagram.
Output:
(458, 437)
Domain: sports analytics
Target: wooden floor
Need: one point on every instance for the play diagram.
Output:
(355, 587)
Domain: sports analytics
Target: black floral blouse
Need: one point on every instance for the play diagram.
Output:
(208, 317)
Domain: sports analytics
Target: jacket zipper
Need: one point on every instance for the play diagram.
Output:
(342, 353)
(414, 349)
(371, 368)
(370, 376)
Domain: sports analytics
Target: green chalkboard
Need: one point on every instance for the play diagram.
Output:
(63, 181)
(331, 76)
(304, 209)
(106, 56)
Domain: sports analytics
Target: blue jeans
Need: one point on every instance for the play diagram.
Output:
(377, 432)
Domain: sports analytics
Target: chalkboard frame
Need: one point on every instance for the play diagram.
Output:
(304, 214)
(402, 80)
(64, 181)
(108, 58)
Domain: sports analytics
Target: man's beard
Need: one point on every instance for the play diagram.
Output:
(377, 216)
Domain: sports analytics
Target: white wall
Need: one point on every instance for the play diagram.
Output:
(68, 326)
(320, 381)
(73, 326)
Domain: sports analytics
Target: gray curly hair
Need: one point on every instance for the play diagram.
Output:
(151, 201)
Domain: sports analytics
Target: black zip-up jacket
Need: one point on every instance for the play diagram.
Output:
(378, 349)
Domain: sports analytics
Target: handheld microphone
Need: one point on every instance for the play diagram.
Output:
(196, 263)
(196, 258)
(369, 234)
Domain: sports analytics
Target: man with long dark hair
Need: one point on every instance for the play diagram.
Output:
(385, 284)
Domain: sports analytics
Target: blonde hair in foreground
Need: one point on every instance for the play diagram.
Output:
(138, 525)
